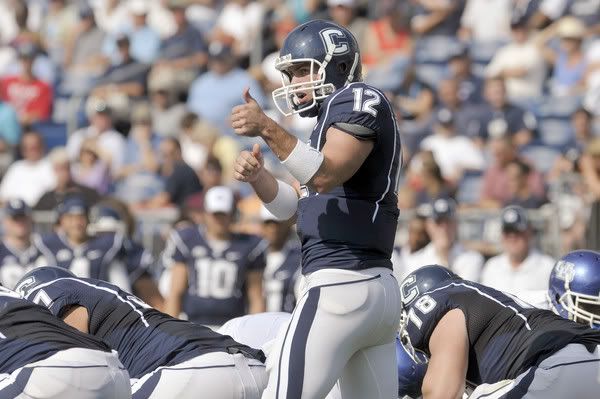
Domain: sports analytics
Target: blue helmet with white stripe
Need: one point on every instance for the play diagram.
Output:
(333, 55)
(574, 287)
(422, 280)
(30, 281)
(412, 366)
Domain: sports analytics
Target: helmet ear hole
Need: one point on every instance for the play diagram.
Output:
(342, 67)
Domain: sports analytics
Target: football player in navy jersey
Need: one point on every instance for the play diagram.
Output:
(109, 256)
(346, 215)
(167, 358)
(17, 254)
(213, 274)
(283, 263)
(475, 335)
(42, 357)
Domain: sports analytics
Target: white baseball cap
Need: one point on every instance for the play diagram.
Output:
(345, 3)
(138, 7)
(219, 199)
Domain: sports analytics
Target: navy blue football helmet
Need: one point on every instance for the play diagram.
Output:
(40, 275)
(412, 366)
(423, 280)
(333, 55)
(574, 287)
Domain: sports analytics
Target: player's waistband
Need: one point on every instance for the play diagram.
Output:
(327, 277)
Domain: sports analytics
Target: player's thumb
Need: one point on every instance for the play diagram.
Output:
(247, 96)
(256, 152)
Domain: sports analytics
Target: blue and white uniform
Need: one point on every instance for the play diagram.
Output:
(280, 278)
(217, 272)
(515, 350)
(15, 263)
(166, 357)
(348, 309)
(42, 357)
(107, 256)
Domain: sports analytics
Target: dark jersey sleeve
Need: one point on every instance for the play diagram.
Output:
(176, 249)
(137, 259)
(257, 257)
(356, 111)
(57, 296)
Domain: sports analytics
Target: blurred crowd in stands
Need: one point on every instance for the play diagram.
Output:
(127, 103)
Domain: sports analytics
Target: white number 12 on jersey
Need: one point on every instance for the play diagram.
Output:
(368, 104)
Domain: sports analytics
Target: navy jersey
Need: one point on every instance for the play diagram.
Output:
(15, 263)
(511, 119)
(30, 333)
(353, 226)
(506, 335)
(217, 272)
(280, 277)
(144, 337)
(107, 256)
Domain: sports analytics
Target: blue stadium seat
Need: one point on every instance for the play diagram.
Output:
(435, 49)
(469, 188)
(541, 157)
(55, 134)
(555, 132)
(558, 107)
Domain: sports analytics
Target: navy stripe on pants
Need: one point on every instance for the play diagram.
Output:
(297, 355)
(17, 387)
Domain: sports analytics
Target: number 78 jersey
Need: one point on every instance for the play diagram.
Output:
(217, 272)
(353, 225)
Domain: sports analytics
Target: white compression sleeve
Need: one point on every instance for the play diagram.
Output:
(303, 162)
(285, 203)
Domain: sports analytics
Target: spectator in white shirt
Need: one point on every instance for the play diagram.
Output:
(109, 142)
(520, 63)
(403, 258)
(29, 178)
(453, 153)
(444, 248)
(486, 20)
(520, 267)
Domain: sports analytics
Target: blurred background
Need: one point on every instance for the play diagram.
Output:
(127, 104)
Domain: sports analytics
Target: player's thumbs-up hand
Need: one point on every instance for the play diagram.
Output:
(248, 97)
(248, 119)
(249, 165)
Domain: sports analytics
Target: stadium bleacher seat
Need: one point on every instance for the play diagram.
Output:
(55, 134)
(540, 156)
(555, 132)
(469, 188)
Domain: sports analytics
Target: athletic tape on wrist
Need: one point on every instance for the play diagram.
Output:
(285, 203)
(303, 162)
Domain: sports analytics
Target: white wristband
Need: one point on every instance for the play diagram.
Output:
(303, 162)
(285, 203)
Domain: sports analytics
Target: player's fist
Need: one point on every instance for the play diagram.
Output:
(248, 119)
(248, 165)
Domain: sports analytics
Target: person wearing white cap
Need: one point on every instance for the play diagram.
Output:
(283, 263)
(568, 62)
(520, 267)
(213, 274)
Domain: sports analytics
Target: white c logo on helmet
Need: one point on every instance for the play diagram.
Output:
(335, 38)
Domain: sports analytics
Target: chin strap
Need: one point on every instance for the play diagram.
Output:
(353, 69)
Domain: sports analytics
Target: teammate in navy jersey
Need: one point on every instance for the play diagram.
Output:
(213, 274)
(346, 215)
(107, 256)
(17, 254)
(477, 335)
(42, 357)
(283, 263)
(166, 357)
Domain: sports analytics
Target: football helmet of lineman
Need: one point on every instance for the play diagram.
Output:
(574, 287)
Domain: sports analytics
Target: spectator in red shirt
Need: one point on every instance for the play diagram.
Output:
(30, 96)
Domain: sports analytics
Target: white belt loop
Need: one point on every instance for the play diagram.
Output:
(248, 381)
